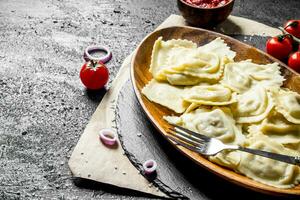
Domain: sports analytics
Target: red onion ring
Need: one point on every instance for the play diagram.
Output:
(149, 167)
(108, 137)
(104, 59)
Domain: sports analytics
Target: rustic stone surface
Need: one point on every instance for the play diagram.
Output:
(44, 107)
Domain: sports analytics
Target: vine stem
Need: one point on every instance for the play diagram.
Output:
(294, 38)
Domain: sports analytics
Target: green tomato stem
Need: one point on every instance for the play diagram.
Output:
(286, 33)
(293, 24)
(93, 63)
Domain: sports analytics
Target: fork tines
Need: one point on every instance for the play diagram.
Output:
(183, 137)
(186, 145)
(181, 130)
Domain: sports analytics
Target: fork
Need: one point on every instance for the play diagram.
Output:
(211, 146)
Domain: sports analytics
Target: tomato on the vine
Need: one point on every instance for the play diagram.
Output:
(94, 75)
(294, 61)
(280, 46)
(293, 27)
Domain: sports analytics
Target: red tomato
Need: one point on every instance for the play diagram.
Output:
(294, 61)
(295, 45)
(293, 27)
(94, 75)
(280, 47)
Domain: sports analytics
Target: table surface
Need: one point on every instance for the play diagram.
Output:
(43, 105)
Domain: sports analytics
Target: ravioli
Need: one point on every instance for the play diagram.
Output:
(166, 95)
(265, 170)
(191, 107)
(210, 95)
(180, 63)
(219, 47)
(241, 76)
(253, 105)
(217, 123)
(227, 158)
(267, 75)
(277, 128)
(164, 51)
(182, 79)
(198, 64)
(236, 79)
(239, 103)
(288, 104)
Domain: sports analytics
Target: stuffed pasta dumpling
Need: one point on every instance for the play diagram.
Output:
(265, 170)
(217, 123)
(277, 128)
(288, 104)
(180, 62)
(253, 105)
(166, 95)
(210, 95)
(243, 75)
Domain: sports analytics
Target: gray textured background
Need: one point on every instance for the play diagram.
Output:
(43, 106)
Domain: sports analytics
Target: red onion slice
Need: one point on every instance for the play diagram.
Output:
(104, 59)
(149, 167)
(108, 137)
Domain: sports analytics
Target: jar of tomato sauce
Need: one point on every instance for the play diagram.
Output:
(205, 13)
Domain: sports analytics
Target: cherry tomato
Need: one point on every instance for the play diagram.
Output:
(280, 47)
(94, 75)
(293, 27)
(294, 61)
(295, 45)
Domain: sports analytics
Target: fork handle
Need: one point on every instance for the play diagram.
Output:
(275, 156)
